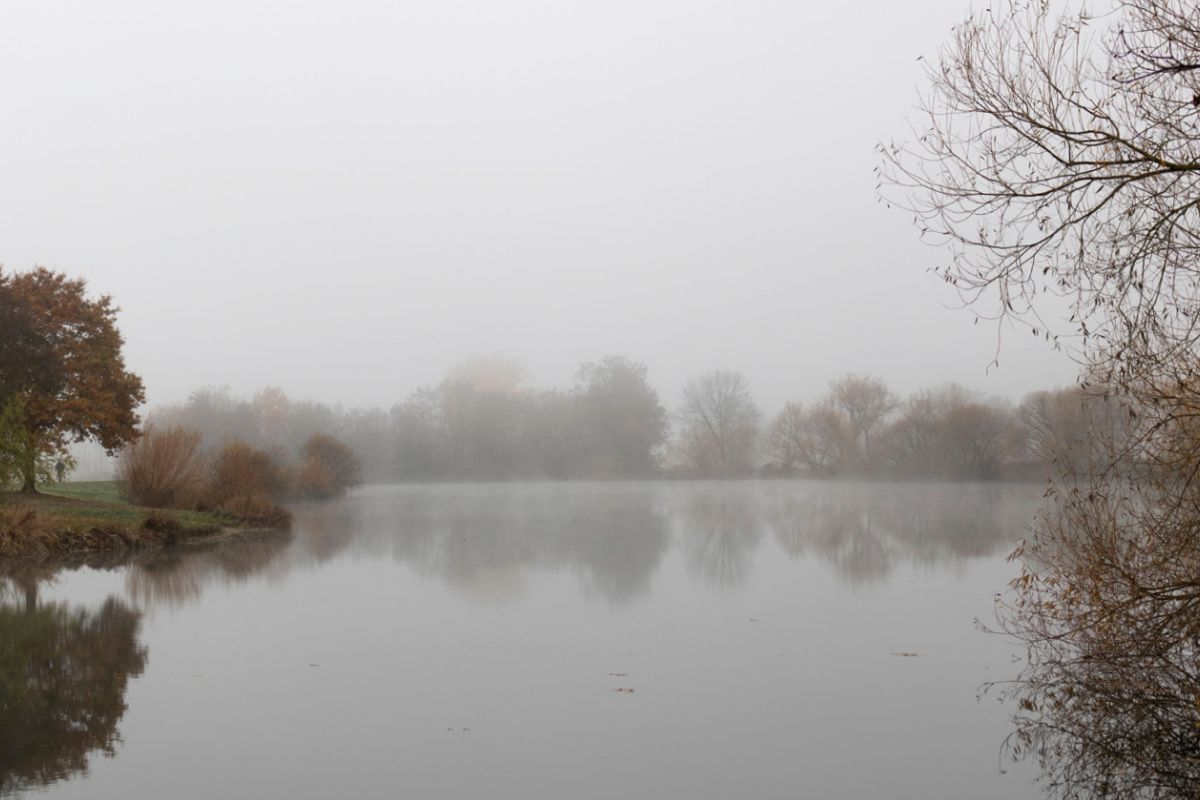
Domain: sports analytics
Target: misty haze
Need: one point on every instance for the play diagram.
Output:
(644, 400)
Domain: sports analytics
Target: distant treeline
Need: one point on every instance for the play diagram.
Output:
(483, 423)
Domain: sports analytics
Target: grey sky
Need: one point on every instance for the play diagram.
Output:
(346, 199)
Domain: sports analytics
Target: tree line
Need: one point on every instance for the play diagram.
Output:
(482, 422)
(63, 380)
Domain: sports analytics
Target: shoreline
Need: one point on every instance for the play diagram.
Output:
(83, 518)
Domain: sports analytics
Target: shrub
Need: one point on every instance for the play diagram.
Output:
(239, 470)
(166, 524)
(328, 467)
(163, 468)
(315, 480)
(246, 483)
(257, 509)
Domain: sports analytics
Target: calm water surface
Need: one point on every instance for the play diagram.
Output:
(697, 640)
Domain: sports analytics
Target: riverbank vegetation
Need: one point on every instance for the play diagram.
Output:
(63, 381)
(483, 422)
(93, 517)
(168, 468)
(1057, 158)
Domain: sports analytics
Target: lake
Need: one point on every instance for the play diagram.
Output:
(551, 640)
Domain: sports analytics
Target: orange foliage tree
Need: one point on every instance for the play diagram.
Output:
(329, 467)
(62, 370)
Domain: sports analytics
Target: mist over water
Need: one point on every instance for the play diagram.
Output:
(586, 639)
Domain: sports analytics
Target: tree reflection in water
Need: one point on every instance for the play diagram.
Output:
(176, 576)
(1108, 608)
(63, 674)
(483, 539)
(721, 531)
(865, 529)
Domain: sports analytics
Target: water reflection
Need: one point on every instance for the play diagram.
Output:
(721, 529)
(1108, 609)
(63, 673)
(1118, 725)
(175, 576)
(487, 540)
(864, 530)
(641, 548)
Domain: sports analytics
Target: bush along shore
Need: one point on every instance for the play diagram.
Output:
(95, 517)
(169, 491)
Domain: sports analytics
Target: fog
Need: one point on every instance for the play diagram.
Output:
(347, 200)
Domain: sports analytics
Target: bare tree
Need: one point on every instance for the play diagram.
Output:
(718, 425)
(975, 438)
(784, 439)
(1079, 431)
(866, 402)
(1059, 155)
(914, 441)
(817, 438)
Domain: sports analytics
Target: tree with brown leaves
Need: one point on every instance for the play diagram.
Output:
(1059, 155)
(62, 370)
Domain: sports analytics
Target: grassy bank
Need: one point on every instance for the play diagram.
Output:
(92, 516)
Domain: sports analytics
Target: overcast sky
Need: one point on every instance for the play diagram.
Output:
(345, 199)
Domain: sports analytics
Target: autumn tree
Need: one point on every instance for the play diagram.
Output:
(272, 411)
(817, 438)
(950, 433)
(1057, 155)
(420, 436)
(328, 467)
(1057, 161)
(215, 414)
(64, 374)
(1080, 431)
(481, 404)
(866, 402)
(975, 439)
(915, 441)
(621, 418)
(783, 442)
(718, 425)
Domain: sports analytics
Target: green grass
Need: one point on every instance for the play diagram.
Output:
(102, 491)
(92, 516)
(99, 504)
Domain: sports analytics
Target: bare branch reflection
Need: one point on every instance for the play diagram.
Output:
(177, 576)
(483, 539)
(721, 531)
(1108, 609)
(865, 529)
